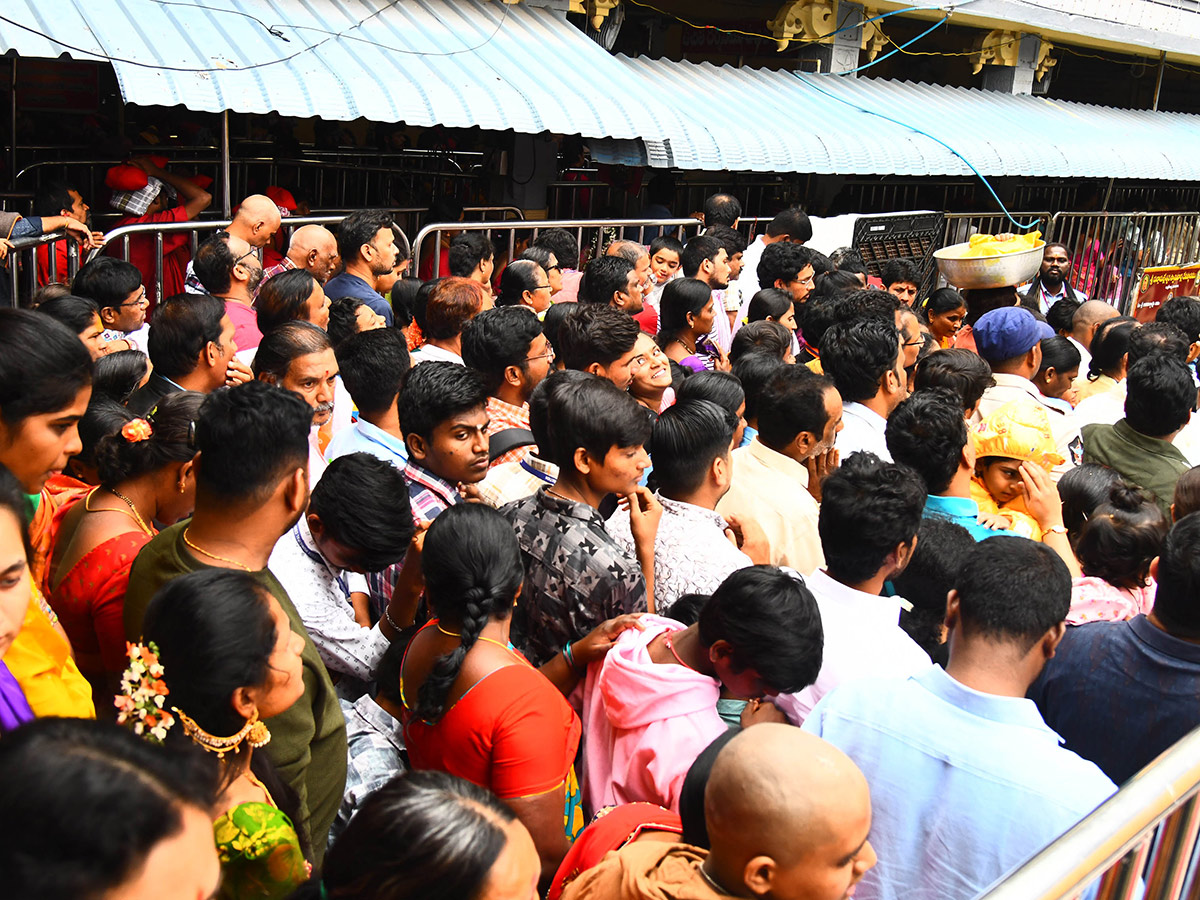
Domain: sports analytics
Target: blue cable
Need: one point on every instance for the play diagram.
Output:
(987, 184)
(903, 46)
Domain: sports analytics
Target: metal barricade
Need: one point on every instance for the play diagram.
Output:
(961, 226)
(21, 266)
(612, 229)
(1109, 250)
(1144, 836)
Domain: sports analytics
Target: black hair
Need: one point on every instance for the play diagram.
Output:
(754, 371)
(833, 285)
(51, 198)
(965, 373)
(373, 365)
(403, 300)
(1081, 489)
(498, 338)
(815, 317)
(107, 281)
(215, 633)
(783, 261)
(89, 801)
(1059, 354)
(539, 255)
(791, 402)
(941, 301)
(793, 222)
(43, 365)
(214, 262)
(360, 228)
(680, 298)
(14, 499)
(449, 306)
(278, 350)
(1061, 314)
(1158, 337)
(1187, 494)
(1109, 345)
(343, 319)
(552, 320)
(595, 415)
(696, 251)
(117, 375)
(928, 578)
(691, 795)
(540, 402)
(435, 391)
(1160, 396)
(422, 836)
(981, 301)
(473, 570)
(1121, 537)
(284, 299)
(927, 433)
(77, 313)
(362, 503)
(899, 270)
(728, 237)
(118, 459)
(666, 242)
(183, 326)
(868, 508)
(769, 303)
(858, 354)
(1184, 314)
(562, 244)
(468, 249)
(603, 277)
(721, 388)
(772, 624)
(421, 303)
(867, 303)
(593, 333)
(1179, 579)
(519, 276)
(686, 608)
(1012, 589)
(722, 209)
(761, 337)
(684, 441)
(250, 437)
(104, 416)
(387, 673)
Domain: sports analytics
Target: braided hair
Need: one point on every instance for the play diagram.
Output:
(473, 571)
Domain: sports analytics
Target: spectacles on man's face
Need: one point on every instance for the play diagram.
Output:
(549, 354)
(553, 268)
(542, 287)
(249, 252)
(139, 300)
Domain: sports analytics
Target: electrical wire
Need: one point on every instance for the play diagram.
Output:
(900, 49)
(987, 184)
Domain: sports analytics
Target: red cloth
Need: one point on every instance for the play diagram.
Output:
(612, 829)
(647, 320)
(512, 732)
(176, 253)
(90, 598)
(426, 272)
(43, 262)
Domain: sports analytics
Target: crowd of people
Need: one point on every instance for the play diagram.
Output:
(693, 570)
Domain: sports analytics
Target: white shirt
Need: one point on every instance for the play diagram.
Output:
(692, 555)
(1104, 408)
(321, 595)
(863, 639)
(746, 285)
(431, 353)
(863, 429)
(1085, 358)
(138, 340)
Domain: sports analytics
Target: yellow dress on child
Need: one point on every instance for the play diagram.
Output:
(1020, 522)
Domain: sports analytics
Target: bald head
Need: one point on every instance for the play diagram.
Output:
(313, 248)
(1090, 315)
(782, 803)
(256, 221)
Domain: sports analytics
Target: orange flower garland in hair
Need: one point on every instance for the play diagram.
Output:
(136, 430)
(143, 692)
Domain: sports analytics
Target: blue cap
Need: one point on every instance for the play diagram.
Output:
(1008, 332)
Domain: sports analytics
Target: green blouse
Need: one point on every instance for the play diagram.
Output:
(260, 853)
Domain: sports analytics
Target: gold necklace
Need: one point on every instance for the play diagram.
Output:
(240, 565)
(133, 513)
(456, 634)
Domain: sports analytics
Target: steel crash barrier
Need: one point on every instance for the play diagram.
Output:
(1140, 842)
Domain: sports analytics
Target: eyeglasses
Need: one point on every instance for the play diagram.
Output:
(542, 287)
(249, 252)
(917, 343)
(549, 354)
(139, 300)
(553, 268)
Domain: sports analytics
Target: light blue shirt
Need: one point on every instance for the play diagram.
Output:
(964, 785)
(961, 511)
(363, 437)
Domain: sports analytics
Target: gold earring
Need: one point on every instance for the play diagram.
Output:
(181, 487)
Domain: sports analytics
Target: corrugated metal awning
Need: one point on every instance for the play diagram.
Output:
(789, 122)
(458, 63)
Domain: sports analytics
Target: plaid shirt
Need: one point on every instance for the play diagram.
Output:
(376, 754)
(516, 480)
(576, 575)
(428, 493)
(271, 271)
(502, 416)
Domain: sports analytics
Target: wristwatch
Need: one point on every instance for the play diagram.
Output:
(1057, 529)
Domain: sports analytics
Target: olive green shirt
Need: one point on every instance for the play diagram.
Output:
(1150, 463)
(308, 741)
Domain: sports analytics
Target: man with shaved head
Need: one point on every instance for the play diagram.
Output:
(312, 248)
(1090, 316)
(787, 816)
(966, 778)
(255, 222)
